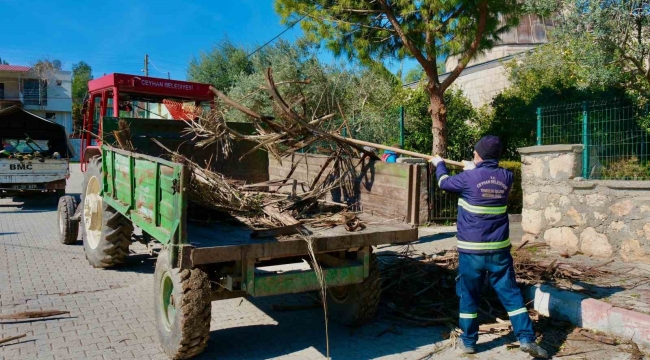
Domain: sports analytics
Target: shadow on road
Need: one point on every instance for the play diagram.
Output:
(296, 331)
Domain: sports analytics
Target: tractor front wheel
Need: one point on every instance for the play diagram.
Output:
(106, 233)
(68, 228)
(182, 307)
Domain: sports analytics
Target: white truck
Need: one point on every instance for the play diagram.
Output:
(34, 157)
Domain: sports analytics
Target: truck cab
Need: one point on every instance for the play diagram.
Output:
(35, 154)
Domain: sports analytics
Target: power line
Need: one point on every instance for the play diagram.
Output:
(280, 34)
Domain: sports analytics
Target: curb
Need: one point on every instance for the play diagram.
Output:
(590, 313)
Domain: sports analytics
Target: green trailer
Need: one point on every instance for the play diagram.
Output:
(203, 262)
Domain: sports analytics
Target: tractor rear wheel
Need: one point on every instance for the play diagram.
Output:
(182, 307)
(106, 233)
(68, 228)
(356, 304)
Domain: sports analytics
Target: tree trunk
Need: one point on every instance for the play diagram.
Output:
(438, 111)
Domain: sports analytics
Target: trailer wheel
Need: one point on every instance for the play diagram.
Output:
(356, 304)
(182, 307)
(68, 228)
(106, 233)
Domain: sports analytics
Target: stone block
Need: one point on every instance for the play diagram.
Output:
(596, 199)
(565, 201)
(532, 221)
(593, 243)
(646, 231)
(631, 250)
(562, 239)
(616, 226)
(622, 208)
(578, 218)
(552, 215)
(529, 237)
(532, 167)
(563, 167)
(530, 200)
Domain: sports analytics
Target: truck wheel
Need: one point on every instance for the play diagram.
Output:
(182, 307)
(356, 304)
(106, 233)
(68, 229)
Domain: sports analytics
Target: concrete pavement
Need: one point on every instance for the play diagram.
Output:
(111, 311)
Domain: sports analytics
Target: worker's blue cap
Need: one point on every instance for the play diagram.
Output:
(489, 147)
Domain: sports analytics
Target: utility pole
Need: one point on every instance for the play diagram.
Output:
(169, 75)
(146, 73)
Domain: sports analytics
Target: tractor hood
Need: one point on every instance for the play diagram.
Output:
(17, 123)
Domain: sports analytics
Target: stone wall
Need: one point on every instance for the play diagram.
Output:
(595, 217)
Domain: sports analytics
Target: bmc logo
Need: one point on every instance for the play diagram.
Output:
(20, 166)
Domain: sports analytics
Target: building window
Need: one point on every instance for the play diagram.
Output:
(2, 91)
(35, 92)
(59, 82)
(50, 116)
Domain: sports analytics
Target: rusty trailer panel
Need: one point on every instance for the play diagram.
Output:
(147, 190)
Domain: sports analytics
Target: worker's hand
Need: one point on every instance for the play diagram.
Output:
(468, 165)
(436, 160)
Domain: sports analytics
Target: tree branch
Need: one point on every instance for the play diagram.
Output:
(467, 56)
(426, 65)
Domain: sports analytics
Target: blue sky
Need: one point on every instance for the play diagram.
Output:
(114, 36)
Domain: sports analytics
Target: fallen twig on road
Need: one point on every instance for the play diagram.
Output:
(32, 314)
(11, 338)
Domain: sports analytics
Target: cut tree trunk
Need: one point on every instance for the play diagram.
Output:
(438, 112)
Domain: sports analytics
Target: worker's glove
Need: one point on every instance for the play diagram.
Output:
(436, 160)
(468, 165)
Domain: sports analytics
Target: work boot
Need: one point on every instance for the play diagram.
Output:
(465, 348)
(534, 350)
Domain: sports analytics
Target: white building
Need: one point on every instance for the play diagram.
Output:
(485, 75)
(50, 98)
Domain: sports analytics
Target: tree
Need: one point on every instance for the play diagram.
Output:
(461, 117)
(364, 95)
(3, 62)
(220, 66)
(606, 43)
(427, 30)
(82, 73)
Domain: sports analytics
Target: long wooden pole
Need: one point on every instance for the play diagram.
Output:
(401, 151)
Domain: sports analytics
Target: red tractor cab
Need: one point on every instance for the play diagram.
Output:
(132, 96)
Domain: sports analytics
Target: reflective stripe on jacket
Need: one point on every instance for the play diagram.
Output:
(482, 207)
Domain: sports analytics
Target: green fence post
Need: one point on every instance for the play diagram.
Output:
(585, 140)
(401, 126)
(539, 126)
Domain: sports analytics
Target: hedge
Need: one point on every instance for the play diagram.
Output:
(515, 200)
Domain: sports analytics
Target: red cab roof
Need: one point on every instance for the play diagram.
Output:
(152, 86)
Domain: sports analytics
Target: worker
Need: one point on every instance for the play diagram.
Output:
(390, 156)
(484, 243)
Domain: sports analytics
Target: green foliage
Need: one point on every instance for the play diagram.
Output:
(626, 169)
(220, 66)
(515, 199)
(364, 30)
(599, 43)
(364, 95)
(82, 73)
(427, 31)
(462, 120)
(413, 75)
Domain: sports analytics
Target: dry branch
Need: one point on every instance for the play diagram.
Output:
(32, 314)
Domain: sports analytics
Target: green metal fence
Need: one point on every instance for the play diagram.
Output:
(614, 134)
